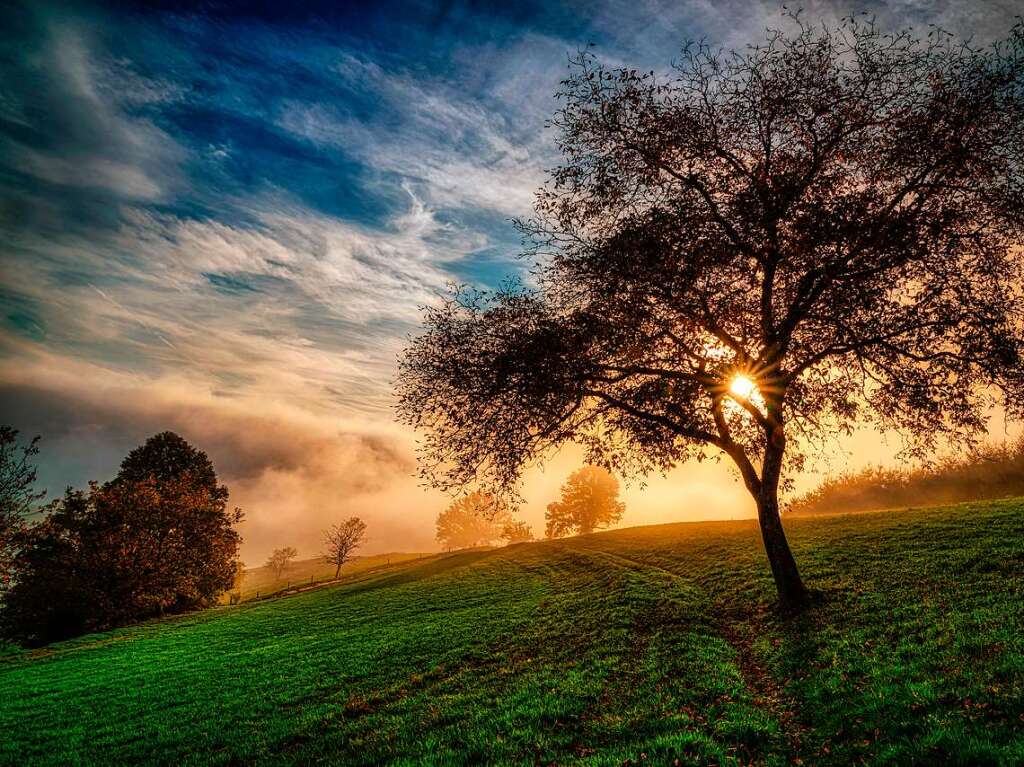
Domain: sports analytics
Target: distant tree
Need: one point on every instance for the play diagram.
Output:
(747, 256)
(517, 532)
(140, 545)
(236, 586)
(476, 519)
(18, 497)
(342, 540)
(590, 499)
(989, 471)
(280, 559)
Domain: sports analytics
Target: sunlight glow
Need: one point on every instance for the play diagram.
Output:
(742, 387)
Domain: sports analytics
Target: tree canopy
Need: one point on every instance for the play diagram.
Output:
(143, 544)
(166, 457)
(834, 216)
(475, 519)
(590, 499)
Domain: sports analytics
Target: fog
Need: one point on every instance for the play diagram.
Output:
(294, 472)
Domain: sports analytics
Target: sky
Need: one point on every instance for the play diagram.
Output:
(224, 222)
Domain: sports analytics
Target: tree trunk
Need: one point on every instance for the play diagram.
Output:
(792, 592)
(337, 571)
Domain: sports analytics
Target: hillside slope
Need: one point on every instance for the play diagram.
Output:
(648, 644)
(261, 581)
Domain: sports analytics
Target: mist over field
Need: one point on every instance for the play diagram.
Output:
(293, 473)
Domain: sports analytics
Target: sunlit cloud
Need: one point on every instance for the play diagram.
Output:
(223, 226)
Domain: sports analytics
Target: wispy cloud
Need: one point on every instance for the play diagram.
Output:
(297, 302)
(461, 154)
(226, 224)
(84, 133)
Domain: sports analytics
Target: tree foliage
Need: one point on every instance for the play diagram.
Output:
(476, 519)
(989, 471)
(516, 531)
(150, 541)
(342, 540)
(165, 457)
(18, 497)
(836, 214)
(279, 560)
(590, 499)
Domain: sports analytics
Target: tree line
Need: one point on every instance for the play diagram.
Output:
(588, 501)
(989, 471)
(158, 538)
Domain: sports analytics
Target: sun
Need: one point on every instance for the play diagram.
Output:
(742, 387)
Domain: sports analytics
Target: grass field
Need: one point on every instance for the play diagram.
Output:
(261, 581)
(653, 645)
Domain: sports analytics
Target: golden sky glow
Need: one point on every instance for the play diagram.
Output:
(251, 289)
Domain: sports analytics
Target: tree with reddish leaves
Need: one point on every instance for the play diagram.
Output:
(744, 256)
(158, 538)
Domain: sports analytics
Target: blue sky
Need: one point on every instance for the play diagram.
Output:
(224, 222)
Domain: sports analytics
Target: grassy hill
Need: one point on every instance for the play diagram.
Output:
(261, 581)
(652, 645)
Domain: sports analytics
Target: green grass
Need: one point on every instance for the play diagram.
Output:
(649, 645)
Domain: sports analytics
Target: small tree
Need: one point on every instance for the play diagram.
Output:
(342, 540)
(590, 499)
(236, 585)
(476, 519)
(18, 497)
(279, 560)
(745, 257)
(517, 532)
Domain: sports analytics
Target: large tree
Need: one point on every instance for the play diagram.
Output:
(589, 500)
(150, 541)
(753, 252)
